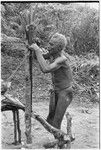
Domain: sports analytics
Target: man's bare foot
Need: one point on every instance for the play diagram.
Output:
(50, 144)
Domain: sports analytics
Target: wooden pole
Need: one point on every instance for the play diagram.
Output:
(28, 106)
(18, 126)
(15, 127)
(28, 95)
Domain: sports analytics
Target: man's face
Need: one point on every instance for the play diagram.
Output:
(52, 45)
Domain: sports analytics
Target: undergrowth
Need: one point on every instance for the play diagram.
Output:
(85, 71)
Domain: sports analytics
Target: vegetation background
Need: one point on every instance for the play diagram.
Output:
(80, 25)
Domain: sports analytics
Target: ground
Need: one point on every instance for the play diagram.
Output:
(85, 115)
(85, 126)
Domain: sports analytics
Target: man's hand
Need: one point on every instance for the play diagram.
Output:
(34, 47)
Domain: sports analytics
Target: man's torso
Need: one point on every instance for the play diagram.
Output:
(62, 77)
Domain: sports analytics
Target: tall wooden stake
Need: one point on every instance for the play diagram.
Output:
(28, 95)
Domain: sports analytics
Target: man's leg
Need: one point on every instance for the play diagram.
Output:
(64, 99)
(52, 106)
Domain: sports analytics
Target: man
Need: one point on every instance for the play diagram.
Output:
(61, 95)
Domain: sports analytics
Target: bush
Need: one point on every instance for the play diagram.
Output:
(80, 24)
(86, 76)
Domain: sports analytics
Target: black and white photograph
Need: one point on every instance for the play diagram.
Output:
(50, 74)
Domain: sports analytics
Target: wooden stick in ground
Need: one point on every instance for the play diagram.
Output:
(28, 92)
(69, 133)
(18, 127)
(28, 105)
(15, 127)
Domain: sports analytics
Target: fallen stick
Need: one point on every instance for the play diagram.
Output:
(62, 137)
(56, 132)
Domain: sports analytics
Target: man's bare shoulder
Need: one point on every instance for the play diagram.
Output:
(61, 59)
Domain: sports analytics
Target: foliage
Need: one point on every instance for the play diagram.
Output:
(79, 24)
(86, 32)
(86, 75)
(12, 46)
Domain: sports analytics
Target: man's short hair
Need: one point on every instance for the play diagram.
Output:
(59, 41)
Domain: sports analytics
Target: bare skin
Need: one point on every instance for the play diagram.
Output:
(61, 95)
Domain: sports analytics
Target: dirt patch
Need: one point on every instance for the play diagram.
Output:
(85, 126)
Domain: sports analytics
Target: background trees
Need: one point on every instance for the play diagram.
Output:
(80, 25)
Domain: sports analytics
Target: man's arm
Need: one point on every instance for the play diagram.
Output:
(45, 67)
(46, 56)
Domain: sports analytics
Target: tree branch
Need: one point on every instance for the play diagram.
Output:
(62, 137)
(56, 132)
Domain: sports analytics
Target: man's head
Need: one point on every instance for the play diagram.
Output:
(57, 43)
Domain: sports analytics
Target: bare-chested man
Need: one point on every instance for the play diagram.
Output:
(61, 95)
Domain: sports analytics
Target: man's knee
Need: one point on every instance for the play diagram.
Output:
(57, 125)
(69, 96)
(50, 119)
